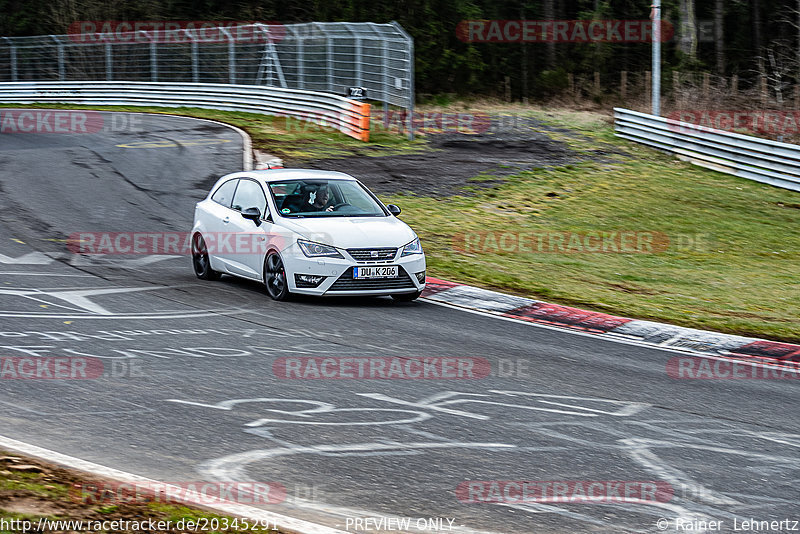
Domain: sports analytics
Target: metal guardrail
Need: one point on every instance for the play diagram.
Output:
(317, 56)
(748, 157)
(348, 116)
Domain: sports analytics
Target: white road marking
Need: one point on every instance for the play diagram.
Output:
(232, 509)
(235, 466)
(80, 260)
(135, 316)
(628, 408)
(77, 297)
(540, 508)
(440, 401)
(231, 404)
(31, 258)
(21, 273)
(319, 409)
(645, 457)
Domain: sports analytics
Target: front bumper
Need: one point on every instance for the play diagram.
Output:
(338, 274)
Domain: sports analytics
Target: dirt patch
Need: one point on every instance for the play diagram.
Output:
(22, 504)
(454, 159)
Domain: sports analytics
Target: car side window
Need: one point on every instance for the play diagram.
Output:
(224, 194)
(249, 195)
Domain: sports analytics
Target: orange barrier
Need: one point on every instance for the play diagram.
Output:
(358, 121)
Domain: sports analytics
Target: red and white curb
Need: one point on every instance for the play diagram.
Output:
(650, 333)
(264, 160)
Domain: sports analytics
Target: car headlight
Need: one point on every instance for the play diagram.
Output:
(412, 248)
(318, 250)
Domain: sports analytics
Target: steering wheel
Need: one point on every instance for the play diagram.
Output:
(340, 205)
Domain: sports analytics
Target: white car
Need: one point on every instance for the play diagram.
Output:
(307, 232)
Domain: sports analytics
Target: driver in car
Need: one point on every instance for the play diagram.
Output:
(321, 199)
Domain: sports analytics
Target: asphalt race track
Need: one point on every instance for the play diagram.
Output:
(190, 393)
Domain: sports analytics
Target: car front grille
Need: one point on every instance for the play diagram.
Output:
(372, 254)
(347, 283)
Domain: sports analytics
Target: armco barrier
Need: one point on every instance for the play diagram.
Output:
(748, 157)
(348, 116)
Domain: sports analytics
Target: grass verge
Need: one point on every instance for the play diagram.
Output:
(30, 490)
(726, 252)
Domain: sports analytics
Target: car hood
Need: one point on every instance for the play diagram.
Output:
(353, 232)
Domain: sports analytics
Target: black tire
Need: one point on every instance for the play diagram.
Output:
(406, 297)
(201, 261)
(275, 277)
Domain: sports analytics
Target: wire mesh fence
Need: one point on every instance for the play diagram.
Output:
(328, 57)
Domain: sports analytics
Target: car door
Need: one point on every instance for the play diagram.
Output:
(216, 215)
(249, 242)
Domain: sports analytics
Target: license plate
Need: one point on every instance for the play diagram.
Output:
(389, 271)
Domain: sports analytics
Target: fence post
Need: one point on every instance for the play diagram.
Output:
(231, 56)
(571, 83)
(385, 78)
(14, 73)
(410, 87)
(109, 63)
(359, 65)
(762, 89)
(60, 48)
(231, 60)
(195, 61)
(12, 52)
(301, 75)
(648, 77)
(329, 60)
(153, 61)
(706, 84)
(596, 82)
(735, 85)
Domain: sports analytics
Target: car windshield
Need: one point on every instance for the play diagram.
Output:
(324, 198)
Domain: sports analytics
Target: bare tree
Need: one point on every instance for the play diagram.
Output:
(719, 34)
(757, 41)
(687, 40)
(550, 15)
(792, 18)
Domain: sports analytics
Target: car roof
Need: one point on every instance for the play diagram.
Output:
(276, 175)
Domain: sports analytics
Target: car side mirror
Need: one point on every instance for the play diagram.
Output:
(254, 214)
(394, 210)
